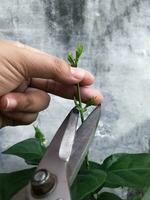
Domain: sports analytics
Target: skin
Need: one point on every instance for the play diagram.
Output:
(27, 75)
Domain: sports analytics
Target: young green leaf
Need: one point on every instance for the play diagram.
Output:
(39, 135)
(71, 59)
(87, 182)
(30, 150)
(91, 102)
(129, 170)
(76, 102)
(79, 51)
(11, 183)
(74, 62)
(108, 196)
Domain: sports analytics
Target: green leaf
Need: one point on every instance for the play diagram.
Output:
(137, 198)
(80, 109)
(30, 150)
(131, 170)
(108, 196)
(79, 51)
(39, 135)
(91, 102)
(11, 183)
(71, 59)
(76, 102)
(94, 165)
(87, 182)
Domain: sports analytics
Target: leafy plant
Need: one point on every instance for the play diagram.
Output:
(117, 170)
(30, 150)
(74, 61)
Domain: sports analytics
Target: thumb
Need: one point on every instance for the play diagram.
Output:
(42, 65)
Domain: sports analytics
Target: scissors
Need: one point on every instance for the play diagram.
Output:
(63, 158)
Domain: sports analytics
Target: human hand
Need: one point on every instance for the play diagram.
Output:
(27, 75)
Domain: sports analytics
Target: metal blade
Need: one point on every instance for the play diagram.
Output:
(57, 147)
(68, 138)
(83, 138)
(54, 163)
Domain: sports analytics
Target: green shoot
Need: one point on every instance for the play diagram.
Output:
(74, 62)
(39, 135)
(78, 102)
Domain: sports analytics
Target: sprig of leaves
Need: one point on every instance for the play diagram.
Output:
(78, 101)
(74, 62)
(39, 135)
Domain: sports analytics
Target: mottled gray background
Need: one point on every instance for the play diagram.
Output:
(116, 36)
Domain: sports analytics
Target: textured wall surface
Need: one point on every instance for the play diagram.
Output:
(116, 36)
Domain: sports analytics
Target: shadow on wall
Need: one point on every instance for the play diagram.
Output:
(64, 18)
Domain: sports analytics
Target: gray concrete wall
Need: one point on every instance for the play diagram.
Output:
(116, 36)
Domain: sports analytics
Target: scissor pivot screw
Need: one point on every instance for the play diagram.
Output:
(43, 182)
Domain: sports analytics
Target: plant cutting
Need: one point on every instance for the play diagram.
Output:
(117, 170)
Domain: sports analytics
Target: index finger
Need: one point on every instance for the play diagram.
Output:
(37, 64)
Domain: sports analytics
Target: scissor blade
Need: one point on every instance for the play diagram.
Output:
(54, 161)
(83, 138)
(56, 147)
(68, 138)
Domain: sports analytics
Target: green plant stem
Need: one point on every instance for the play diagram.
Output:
(79, 98)
(80, 102)
(74, 63)
(82, 119)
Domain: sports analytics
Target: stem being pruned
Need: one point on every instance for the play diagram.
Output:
(78, 102)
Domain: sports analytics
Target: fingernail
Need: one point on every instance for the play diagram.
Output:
(77, 73)
(10, 104)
